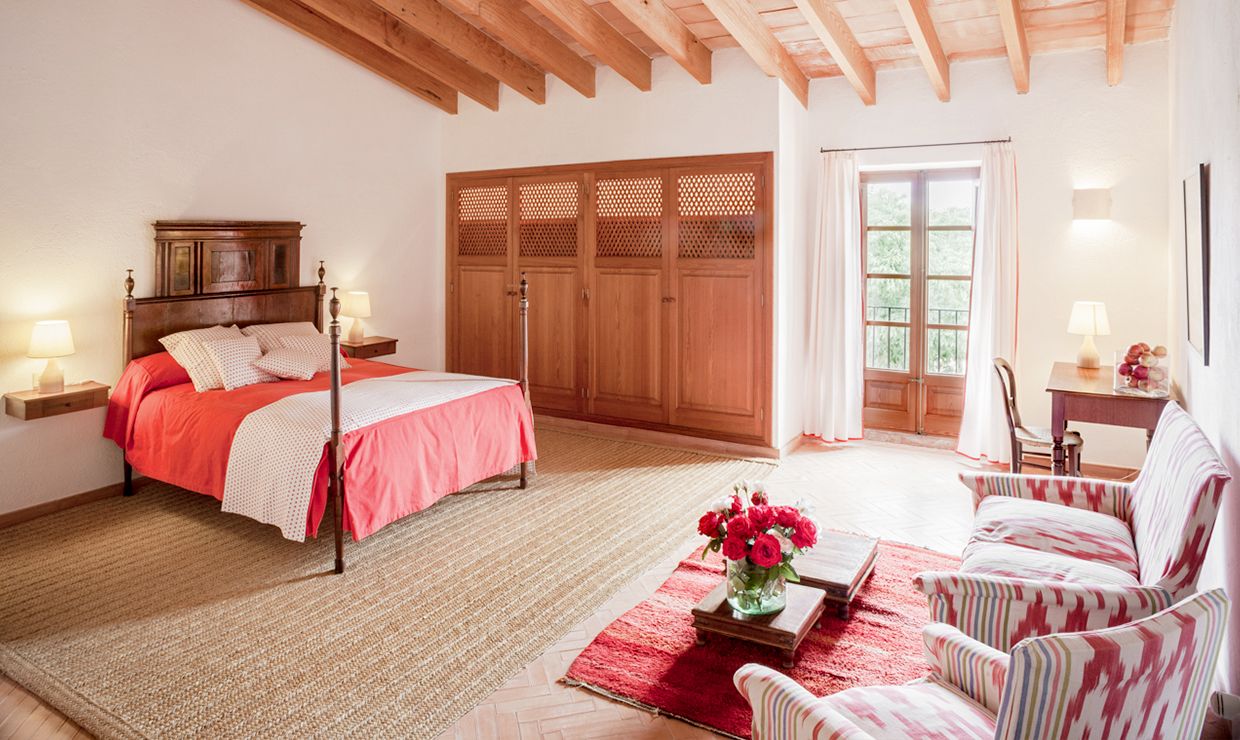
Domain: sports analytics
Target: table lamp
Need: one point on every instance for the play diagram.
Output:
(51, 339)
(1088, 319)
(356, 305)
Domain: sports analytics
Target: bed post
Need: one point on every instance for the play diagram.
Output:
(335, 460)
(524, 308)
(128, 352)
(318, 315)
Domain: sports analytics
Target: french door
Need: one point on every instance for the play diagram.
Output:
(917, 247)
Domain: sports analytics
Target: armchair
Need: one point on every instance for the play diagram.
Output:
(1055, 554)
(1146, 679)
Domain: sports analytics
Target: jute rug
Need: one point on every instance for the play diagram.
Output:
(649, 656)
(158, 616)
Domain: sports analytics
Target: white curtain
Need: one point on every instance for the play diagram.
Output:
(992, 310)
(834, 353)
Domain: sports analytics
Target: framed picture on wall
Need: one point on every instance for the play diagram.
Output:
(1197, 258)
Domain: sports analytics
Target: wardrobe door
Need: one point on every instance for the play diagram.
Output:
(627, 366)
(719, 323)
(550, 239)
(481, 312)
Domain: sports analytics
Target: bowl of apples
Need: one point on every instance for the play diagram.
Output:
(1142, 370)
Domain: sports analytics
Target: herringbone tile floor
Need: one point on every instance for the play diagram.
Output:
(899, 492)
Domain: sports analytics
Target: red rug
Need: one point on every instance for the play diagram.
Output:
(649, 656)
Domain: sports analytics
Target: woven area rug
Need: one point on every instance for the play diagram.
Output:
(158, 616)
(649, 656)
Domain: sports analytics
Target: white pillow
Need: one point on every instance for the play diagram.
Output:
(318, 346)
(268, 335)
(186, 348)
(234, 360)
(289, 363)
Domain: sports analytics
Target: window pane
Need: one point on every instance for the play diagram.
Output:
(887, 299)
(945, 351)
(888, 204)
(888, 251)
(947, 302)
(886, 347)
(951, 202)
(951, 252)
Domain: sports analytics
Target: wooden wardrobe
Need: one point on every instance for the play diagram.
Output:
(650, 286)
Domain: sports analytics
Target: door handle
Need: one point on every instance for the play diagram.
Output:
(669, 299)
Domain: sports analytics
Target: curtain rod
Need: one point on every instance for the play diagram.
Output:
(916, 146)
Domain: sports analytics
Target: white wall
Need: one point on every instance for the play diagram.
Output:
(1070, 130)
(117, 114)
(1205, 127)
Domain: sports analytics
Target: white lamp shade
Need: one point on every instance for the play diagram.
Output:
(1089, 318)
(51, 339)
(1091, 204)
(356, 304)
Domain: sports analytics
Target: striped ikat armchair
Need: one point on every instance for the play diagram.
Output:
(1143, 680)
(1055, 554)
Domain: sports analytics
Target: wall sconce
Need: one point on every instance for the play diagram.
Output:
(1091, 204)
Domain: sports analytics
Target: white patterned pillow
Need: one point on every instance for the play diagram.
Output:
(318, 346)
(289, 363)
(268, 335)
(186, 348)
(234, 360)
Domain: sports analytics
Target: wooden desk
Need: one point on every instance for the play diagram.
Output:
(1080, 394)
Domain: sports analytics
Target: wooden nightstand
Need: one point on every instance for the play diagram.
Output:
(369, 347)
(29, 405)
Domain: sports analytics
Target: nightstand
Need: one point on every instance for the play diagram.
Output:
(28, 405)
(369, 347)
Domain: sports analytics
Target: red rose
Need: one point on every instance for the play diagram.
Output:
(766, 553)
(708, 525)
(759, 497)
(734, 548)
(762, 517)
(737, 504)
(806, 533)
(786, 516)
(740, 526)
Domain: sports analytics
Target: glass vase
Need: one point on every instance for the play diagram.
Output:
(755, 590)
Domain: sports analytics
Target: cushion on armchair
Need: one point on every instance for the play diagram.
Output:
(925, 709)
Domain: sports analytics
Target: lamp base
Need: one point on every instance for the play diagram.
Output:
(53, 378)
(357, 332)
(1087, 355)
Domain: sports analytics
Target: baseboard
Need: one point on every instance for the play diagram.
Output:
(50, 507)
(792, 445)
(651, 436)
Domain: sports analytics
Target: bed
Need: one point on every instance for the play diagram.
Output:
(394, 440)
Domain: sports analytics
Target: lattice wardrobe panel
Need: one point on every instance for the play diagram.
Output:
(482, 221)
(549, 212)
(718, 215)
(629, 217)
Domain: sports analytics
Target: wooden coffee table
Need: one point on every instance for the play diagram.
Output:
(839, 564)
(783, 630)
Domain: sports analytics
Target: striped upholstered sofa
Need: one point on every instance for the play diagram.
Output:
(1143, 680)
(1054, 554)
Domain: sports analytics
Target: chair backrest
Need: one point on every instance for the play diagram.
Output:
(1007, 382)
(1175, 500)
(1150, 678)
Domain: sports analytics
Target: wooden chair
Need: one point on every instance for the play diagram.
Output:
(1037, 438)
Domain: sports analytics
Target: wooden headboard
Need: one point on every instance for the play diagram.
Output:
(148, 319)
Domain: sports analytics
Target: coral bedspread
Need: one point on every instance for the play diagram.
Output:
(171, 433)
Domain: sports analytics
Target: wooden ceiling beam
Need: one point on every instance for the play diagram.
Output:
(926, 40)
(842, 44)
(462, 39)
(1117, 20)
(383, 29)
(741, 20)
(506, 22)
(371, 56)
(665, 28)
(600, 38)
(1014, 38)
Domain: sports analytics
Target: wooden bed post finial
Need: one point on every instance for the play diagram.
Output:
(129, 283)
(322, 273)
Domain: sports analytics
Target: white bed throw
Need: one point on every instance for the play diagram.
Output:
(277, 448)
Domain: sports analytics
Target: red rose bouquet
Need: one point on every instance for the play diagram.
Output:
(759, 541)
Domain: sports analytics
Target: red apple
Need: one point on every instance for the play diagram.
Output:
(1144, 347)
(1140, 372)
(1135, 350)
